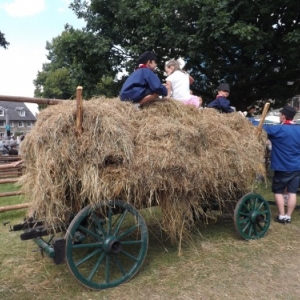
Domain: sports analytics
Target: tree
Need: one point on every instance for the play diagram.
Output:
(252, 45)
(3, 42)
(77, 58)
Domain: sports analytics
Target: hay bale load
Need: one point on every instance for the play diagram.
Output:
(167, 154)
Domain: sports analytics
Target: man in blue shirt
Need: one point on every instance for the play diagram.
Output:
(143, 86)
(285, 161)
(221, 103)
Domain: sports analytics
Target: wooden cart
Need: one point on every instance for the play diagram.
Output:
(106, 245)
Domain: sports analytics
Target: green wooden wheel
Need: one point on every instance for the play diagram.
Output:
(252, 216)
(106, 245)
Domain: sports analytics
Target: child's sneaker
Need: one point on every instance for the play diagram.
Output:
(281, 220)
(288, 219)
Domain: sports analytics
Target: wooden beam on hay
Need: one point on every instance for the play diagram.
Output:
(30, 100)
(79, 109)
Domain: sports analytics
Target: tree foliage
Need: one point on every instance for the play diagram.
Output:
(77, 58)
(3, 42)
(252, 45)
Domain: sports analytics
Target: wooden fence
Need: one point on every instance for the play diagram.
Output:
(11, 174)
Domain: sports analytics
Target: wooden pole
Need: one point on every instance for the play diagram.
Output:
(9, 180)
(79, 114)
(262, 118)
(13, 207)
(8, 194)
(30, 100)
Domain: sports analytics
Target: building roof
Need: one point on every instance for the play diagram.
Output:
(13, 110)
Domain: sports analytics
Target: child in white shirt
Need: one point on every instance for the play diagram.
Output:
(178, 84)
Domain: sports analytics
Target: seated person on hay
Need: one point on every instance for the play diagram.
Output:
(178, 84)
(221, 103)
(251, 110)
(143, 86)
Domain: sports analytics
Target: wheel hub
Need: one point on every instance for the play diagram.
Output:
(112, 245)
(256, 217)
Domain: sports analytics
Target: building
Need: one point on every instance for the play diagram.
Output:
(20, 118)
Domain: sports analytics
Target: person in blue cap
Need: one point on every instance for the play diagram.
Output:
(221, 103)
(285, 161)
(143, 85)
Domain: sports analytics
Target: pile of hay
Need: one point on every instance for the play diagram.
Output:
(178, 157)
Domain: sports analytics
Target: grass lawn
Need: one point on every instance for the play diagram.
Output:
(215, 264)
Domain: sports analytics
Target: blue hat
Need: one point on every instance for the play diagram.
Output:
(224, 87)
(289, 112)
(146, 56)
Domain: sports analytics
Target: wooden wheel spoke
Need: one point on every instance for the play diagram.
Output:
(250, 229)
(91, 233)
(247, 225)
(119, 265)
(96, 266)
(129, 255)
(78, 263)
(109, 222)
(120, 222)
(128, 231)
(90, 245)
(135, 242)
(246, 207)
(260, 206)
(107, 269)
(244, 214)
(243, 221)
(98, 223)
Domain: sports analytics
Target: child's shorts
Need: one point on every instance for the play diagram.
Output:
(282, 180)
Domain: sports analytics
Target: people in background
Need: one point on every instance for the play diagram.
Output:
(178, 83)
(221, 103)
(251, 110)
(1, 146)
(20, 144)
(7, 128)
(13, 150)
(143, 86)
(13, 141)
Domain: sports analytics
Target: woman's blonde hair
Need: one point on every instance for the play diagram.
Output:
(174, 63)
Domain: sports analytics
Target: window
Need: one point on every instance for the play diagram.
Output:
(20, 110)
(1, 112)
(2, 124)
(11, 124)
(29, 124)
(20, 124)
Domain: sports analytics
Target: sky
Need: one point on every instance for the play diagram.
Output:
(27, 26)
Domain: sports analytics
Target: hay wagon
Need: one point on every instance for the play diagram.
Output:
(104, 243)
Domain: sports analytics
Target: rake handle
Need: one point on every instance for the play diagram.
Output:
(262, 119)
